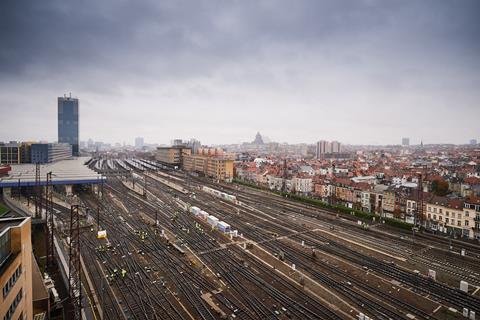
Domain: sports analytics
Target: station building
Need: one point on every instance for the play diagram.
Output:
(50, 152)
(65, 173)
(10, 153)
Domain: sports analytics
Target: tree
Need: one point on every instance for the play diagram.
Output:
(440, 187)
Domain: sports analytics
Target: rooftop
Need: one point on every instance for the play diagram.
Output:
(71, 171)
(7, 223)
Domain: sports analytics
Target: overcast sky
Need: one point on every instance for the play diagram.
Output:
(361, 72)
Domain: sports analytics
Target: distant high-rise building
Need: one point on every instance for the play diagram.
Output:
(258, 139)
(325, 147)
(405, 142)
(68, 124)
(473, 142)
(195, 145)
(139, 143)
(335, 147)
(177, 142)
(322, 148)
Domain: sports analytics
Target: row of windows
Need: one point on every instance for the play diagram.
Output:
(447, 220)
(447, 213)
(472, 206)
(14, 305)
(11, 282)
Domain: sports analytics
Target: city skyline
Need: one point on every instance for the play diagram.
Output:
(358, 72)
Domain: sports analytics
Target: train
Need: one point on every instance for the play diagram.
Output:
(222, 226)
(220, 194)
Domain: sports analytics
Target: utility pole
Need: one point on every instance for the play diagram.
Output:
(49, 219)
(145, 184)
(74, 275)
(38, 202)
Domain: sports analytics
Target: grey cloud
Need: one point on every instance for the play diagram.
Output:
(268, 58)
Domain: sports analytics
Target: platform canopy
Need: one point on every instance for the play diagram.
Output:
(64, 172)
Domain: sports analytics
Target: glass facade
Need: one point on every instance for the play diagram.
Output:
(5, 247)
(68, 124)
(9, 153)
(50, 152)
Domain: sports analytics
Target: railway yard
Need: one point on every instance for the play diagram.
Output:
(166, 257)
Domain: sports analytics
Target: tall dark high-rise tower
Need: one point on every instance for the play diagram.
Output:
(68, 125)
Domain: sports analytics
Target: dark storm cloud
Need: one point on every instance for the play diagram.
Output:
(345, 54)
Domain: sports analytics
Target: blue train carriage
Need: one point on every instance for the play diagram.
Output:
(224, 227)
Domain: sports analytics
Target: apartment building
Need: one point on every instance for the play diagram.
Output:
(450, 216)
(195, 163)
(472, 208)
(218, 168)
(16, 301)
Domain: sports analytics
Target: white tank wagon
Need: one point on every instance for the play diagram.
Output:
(212, 220)
(195, 211)
(220, 194)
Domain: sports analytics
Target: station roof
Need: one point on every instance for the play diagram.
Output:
(70, 172)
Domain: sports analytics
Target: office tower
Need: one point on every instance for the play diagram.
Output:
(405, 142)
(139, 143)
(68, 124)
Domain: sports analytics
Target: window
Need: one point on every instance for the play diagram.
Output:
(466, 223)
(446, 220)
(459, 216)
(14, 305)
(447, 213)
(429, 216)
(440, 210)
(459, 223)
(435, 210)
(467, 213)
(11, 282)
(440, 218)
(434, 217)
